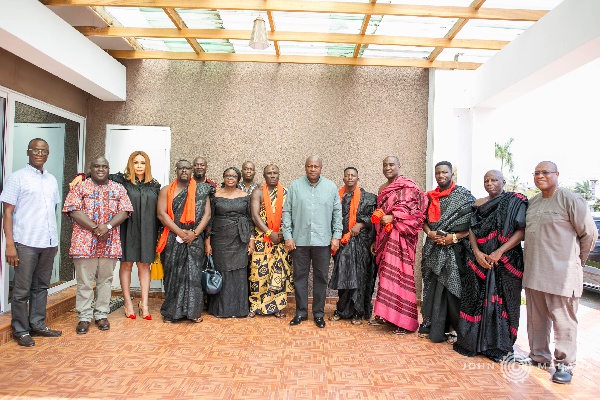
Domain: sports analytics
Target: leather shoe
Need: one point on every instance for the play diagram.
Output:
(46, 332)
(563, 374)
(531, 361)
(24, 340)
(103, 324)
(297, 320)
(82, 327)
(320, 322)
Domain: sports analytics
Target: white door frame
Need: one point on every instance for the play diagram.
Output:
(13, 97)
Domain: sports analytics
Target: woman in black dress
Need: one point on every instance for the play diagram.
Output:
(139, 233)
(230, 242)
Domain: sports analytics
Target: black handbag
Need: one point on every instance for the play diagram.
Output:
(212, 281)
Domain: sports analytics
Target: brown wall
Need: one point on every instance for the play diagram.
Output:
(231, 112)
(24, 77)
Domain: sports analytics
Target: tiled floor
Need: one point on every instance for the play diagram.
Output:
(265, 358)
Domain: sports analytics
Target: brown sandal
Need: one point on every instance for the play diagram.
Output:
(335, 317)
(197, 320)
(251, 314)
(400, 331)
(356, 321)
(279, 315)
(377, 321)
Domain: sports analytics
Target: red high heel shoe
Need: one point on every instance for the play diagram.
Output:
(130, 316)
(147, 317)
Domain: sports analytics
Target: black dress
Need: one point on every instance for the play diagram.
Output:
(139, 233)
(230, 229)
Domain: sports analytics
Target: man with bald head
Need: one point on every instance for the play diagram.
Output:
(97, 206)
(312, 229)
(398, 220)
(200, 166)
(559, 235)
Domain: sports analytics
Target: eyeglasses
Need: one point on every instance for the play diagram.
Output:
(230, 176)
(37, 152)
(545, 173)
(183, 168)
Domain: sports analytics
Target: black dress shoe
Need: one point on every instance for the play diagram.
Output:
(297, 320)
(24, 340)
(320, 322)
(563, 374)
(46, 332)
(531, 361)
(82, 327)
(103, 324)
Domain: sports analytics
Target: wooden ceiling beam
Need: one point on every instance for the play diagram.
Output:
(382, 62)
(363, 30)
(277, 36)
(458, 25)
(272, 26)
(319, 7)
(180, 24)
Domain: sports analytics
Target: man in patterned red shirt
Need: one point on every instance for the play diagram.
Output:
(98, 206)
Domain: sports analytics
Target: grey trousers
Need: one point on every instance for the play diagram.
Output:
(302, 257)
(31, 282)
(544, 312)
(89, 270)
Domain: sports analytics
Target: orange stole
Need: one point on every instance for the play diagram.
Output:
(189, 210)
(353, 210)
(273, 219)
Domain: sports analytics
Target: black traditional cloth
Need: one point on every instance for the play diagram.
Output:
(443, 265)
(139, 232)
(490, 306)
(183, 263)
(354, 270)
(230, 230)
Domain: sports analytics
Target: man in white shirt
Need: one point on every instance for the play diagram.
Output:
(29, 203)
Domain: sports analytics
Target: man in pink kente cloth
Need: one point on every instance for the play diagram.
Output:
(398, 220)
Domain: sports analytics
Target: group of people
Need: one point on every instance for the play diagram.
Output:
(263, 240)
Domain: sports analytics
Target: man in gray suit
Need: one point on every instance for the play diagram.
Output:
(559, 235)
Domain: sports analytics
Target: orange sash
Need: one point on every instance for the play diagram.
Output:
(435, 211)
(273, 219)
(353, 210)
(189, 210)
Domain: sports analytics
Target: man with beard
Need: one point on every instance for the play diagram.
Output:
(184, 210)
(98, 206)
(398, 221)
(443, 261)
(29, 203)
(200, 167)
(354, 267)
(248, 172)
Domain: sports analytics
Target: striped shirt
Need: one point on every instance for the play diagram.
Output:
(34, 195)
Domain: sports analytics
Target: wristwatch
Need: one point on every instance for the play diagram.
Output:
(108, 226)
(454, 238)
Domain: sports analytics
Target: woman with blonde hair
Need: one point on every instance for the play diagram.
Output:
(139, 233)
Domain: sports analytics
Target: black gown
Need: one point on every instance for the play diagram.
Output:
(230, 229)
(183, 263)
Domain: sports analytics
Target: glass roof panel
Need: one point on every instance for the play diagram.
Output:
(455, 3)
(316, 49)
(493, 30)
(201, 19)
(414, 26)
(181, 45)
(241, 20)
(522, 4)
(131, 17)
(379, 51)
(317, 22)
(241, 47)
(466, 55)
